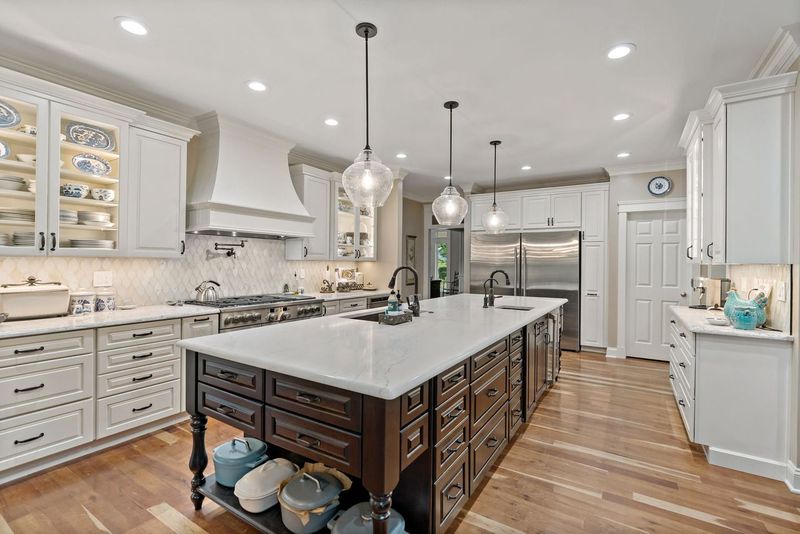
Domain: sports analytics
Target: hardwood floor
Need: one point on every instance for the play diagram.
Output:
(605, 452)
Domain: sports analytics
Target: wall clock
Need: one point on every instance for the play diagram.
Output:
(659, 185)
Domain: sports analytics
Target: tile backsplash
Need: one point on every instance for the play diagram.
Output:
(261, 267)
(746, 277)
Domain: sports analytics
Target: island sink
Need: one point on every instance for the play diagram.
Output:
(518, 308)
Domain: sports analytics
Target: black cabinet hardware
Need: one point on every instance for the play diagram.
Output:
(307, 398)
(681, 402)
(142, 378)
(52, 241)
(682, 365)
(455, 379)
(141, 356)
(42, 241)
(21, 441)
(29, 351)
(143, 408)
(32, 388)
(202, 320)
(183, 247)
(305, 441)
(143, 334)
(227, 375)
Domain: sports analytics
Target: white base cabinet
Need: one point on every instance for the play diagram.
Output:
(593, 301)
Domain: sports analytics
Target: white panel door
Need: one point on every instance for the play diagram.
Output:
(656, 279)
(565, 210)
(593, 308)
(535, 212)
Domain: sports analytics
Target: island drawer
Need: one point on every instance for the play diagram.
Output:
(515, 340)
(414, 440)
(234, 377)
(450, 448)
(34, 386)
(515, 383)
(135, 408)
(450, 493)
(316, 441)
(450, 415)
(514, 414)
(414, 403)
(487, 445)
(29, 349)
(131, 379)
(486, 395)
(451, 382)
(488, 357)
(109, 361)
(128, 335)
(516, 359)
(237, 411)
(317, 401)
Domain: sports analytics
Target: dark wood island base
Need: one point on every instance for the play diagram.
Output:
(424, 453)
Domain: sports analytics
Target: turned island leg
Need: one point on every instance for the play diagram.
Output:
(381, 457)
(199, 459)
(381, 508)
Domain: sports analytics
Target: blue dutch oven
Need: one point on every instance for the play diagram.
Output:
(237, 457)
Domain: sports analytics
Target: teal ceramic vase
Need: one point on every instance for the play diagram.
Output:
(759, 304)
(744, 317)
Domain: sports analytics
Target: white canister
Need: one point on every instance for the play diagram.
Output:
(81, 302)
(105, 300)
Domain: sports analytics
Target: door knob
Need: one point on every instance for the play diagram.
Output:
(683, 294)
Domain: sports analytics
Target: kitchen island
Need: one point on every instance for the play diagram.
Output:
(416, 413)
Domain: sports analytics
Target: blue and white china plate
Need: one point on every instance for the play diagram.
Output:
(91, 136)
(4, 150)
(91, 164)
(9, 116)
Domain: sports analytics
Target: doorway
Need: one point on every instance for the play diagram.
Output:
(657, 278)
(447, 262)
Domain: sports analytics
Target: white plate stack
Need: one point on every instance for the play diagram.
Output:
(17, 215)
(5, 240)
(100, 219)
(68, 216)
(24, 239)
(12, 183)
(91, 243)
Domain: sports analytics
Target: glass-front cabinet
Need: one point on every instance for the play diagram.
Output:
(354, 228)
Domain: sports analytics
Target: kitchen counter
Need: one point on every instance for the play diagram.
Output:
(374, 359)
(348, 295)
(140, 314)
(695, 321)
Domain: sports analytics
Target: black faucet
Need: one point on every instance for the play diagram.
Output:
(413, 300)
(489, 296)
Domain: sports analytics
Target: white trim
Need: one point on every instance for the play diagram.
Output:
(416, 198)
(516, 193)
(761, 87)
(792, 477)
(639, 168)
(782, 51)
(745, 462)
(623, 208)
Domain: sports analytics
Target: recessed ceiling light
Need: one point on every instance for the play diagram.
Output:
(331, 122)
(526, 167)
(621, 50)
(623, 154)
(131, 26)
(622, 116)
(257, 86)
(401, 155)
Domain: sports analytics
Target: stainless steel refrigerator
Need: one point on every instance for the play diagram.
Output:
(540, 264)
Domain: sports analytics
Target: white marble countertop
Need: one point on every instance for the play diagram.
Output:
(695, 321)
(375, 359)
(347, 295)
(99, 319)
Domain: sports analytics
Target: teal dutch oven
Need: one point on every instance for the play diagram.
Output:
(237, 457)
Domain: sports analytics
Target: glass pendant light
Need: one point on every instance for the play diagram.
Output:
(495, 220)
(449, 208)
(367, 182)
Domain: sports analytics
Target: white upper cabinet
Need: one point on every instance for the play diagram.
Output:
(508, 202)
(355, 229)
(313, 187)
(594, 215)
(536, 212)
(476, 210)
(698, 180)
(157, 195)
(565, 210)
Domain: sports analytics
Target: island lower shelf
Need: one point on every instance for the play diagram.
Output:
(269, 521)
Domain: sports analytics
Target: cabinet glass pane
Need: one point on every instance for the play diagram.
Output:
(366, 232)
(18, 175)
(345, 225)
(88, 183)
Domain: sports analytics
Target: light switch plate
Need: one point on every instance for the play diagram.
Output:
(302, 274)
(781, 292)
(102, 279)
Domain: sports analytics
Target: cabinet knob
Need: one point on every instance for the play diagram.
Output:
(681, 402)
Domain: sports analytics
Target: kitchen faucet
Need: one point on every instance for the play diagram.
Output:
(489, 296)
(413, 300)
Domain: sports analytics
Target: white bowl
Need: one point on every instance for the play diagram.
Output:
(717, 321)
(101, 193)
(27, 158)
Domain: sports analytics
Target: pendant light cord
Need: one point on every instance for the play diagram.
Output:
(366, 84)
(450, 174)
(494, 187)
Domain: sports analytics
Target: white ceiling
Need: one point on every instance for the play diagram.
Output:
(532, 73)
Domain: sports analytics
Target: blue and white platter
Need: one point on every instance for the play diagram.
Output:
(91, 164)
(91, 136)
(9, 116)
(4, 150)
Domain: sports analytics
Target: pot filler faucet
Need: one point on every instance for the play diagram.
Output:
(488, 296)
(413, 300)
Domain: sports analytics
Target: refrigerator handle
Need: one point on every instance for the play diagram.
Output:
(516, 269)
(524, 275)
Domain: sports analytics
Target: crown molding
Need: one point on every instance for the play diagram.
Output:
(416, 198)
(697, 119)
(751, 89)
(638, 168)
(782, 51)
(331, 164)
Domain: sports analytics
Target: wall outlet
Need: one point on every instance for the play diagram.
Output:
(102, 279)
(302, 274)
(780, 291)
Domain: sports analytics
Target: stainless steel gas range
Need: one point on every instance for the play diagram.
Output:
(253, 311)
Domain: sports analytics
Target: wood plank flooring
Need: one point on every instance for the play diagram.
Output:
(605, 452)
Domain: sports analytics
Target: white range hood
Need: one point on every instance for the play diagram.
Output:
(241, 185)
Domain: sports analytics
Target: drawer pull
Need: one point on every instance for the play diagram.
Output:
(681, 402)
(516, 339)
(671, 376)
(202, 320)
(34, 438)
(455, 379)
(672, 345)
(141, 356)
(142, 378)
(682, 335)
(307, 398)
(492, 442)
(672, 321)
(29, 351)
(517, 382)
(492, 355)
(455, 413)
(32, 388)
(143, 334)
(492, 392)
(454, 447)
(227, 375)
(516, 413)
(453, 496)
(682, 365)
(225, 410)
(516, 361)
(305, 441)
(143, 408)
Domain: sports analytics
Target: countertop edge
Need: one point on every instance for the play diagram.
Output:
(699, 325)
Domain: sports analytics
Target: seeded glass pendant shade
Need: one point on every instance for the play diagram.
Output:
(495, 220)
(450, 207)
(367, 182)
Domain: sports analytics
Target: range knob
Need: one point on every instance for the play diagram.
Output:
(257, 316)
(228, 320)
(284, 316)
(302, 311)
(236, 319)
(271, 318)
(251, 316)
(317, 309)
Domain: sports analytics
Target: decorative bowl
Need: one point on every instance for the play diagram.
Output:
(100, 193)
(27, 158)
(744, 317)
(74, 190)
